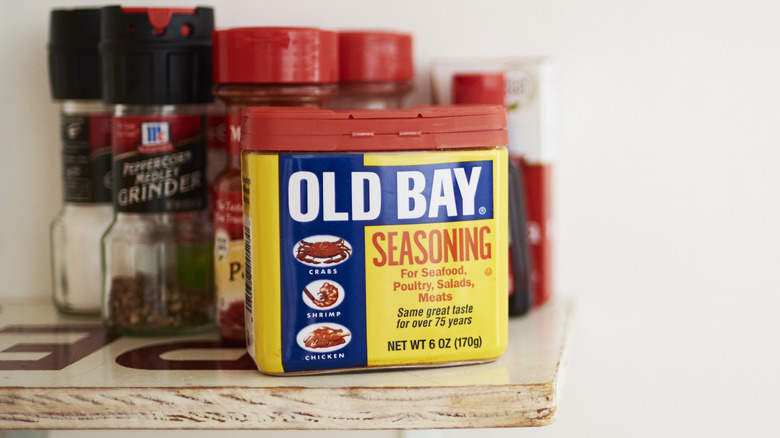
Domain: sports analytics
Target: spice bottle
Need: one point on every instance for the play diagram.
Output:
(85, 127)
(157, 254)
(375, 69)
(490, 88)
(258, 66)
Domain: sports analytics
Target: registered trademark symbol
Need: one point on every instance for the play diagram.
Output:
(488, 272)
(482, 210)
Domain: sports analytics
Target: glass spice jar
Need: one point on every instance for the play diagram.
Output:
(375, 69)
(258, 66)
(85, 127)
(157, 254)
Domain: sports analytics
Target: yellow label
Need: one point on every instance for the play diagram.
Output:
(431, 292)
(229, 271)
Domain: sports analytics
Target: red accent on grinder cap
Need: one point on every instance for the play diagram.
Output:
(159, 18)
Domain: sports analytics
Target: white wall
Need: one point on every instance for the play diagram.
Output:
(667, 186)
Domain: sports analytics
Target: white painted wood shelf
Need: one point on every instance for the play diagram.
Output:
(67, 373)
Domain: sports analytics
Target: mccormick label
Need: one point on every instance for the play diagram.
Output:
(159, 164)
(86, 157)
(375, 260)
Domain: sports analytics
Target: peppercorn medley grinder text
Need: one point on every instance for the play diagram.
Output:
(158, 254)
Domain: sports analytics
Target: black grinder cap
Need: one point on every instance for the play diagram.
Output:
(74, 62)
(156, 56)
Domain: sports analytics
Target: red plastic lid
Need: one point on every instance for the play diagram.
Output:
(488, 88)
(375, 56)
(294, 129)
(269, 55)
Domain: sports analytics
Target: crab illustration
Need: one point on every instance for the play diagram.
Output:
(323, 252)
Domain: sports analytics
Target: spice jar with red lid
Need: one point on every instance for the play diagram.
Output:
(375, 69)
(258, 66)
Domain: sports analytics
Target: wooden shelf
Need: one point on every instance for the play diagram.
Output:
(193, 382)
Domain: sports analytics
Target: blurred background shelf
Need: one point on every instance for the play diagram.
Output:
(67, 373)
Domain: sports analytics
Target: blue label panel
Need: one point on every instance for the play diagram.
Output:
(326, 201)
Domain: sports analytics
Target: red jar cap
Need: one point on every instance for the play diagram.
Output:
(488, 88)
(269, 55)
(287, 129)
(375, 57)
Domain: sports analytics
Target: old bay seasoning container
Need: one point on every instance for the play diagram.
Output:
(374, 239)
